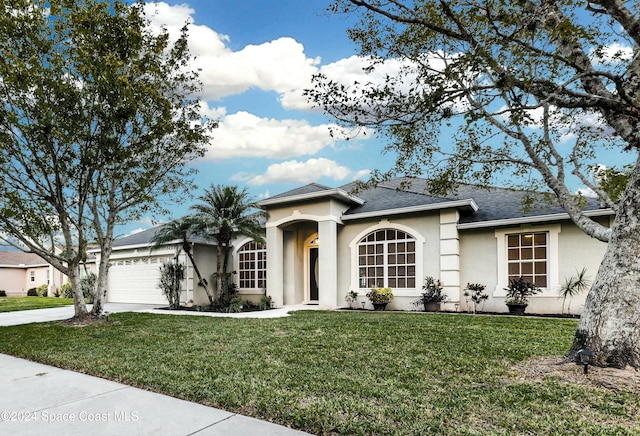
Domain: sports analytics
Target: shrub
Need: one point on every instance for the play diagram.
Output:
(475, 293)
(265, 302)
(65, 291)
(32, 292)
(235, 304)
(352, 297)
(42, 290)
(380, 295)
(3, 293)
(88, 286)
(171, 276)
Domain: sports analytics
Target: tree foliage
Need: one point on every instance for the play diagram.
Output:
(537, 91)
(183, 230)
(99, 118)
(224, 213)
(534, 89)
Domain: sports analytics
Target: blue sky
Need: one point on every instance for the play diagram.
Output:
(256, 58)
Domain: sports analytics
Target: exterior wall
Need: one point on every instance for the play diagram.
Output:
(479, 264)
(13, 281)
(287, 230)
(16, 281)
(426, 230)
(205, 258)
(39, 275)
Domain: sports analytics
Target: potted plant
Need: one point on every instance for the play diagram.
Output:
(518, 293)
(475, 293)
(380, 297)
(432, 296)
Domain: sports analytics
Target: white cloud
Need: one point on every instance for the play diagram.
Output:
(347, 71)
(246, 135)
(300, 172)
(280, 65)
(613, 53)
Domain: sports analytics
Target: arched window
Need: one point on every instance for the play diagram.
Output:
(387, 258)
(252, 266)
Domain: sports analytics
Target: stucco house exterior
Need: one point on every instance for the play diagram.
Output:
(134, 271)
(21, 271)
(323, 242)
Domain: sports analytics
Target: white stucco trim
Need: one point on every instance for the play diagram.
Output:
(532, 219)
(386, 224)
(411, 209)
(297, 216)
(553, 230)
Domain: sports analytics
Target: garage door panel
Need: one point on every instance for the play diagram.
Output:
(136, 281)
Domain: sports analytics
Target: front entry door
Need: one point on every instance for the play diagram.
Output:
(313, 273)
(311, 280)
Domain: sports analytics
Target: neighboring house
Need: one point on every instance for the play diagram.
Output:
(323, 242)
(134, 273)
(21, 271)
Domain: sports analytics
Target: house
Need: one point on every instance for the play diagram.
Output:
(134, 271)
(323, 242)
(22, 271)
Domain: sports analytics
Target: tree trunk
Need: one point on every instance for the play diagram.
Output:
(610, 321)
(101, 281)
(79, 306)
(219, 271)
(225, 267)
(201, 280)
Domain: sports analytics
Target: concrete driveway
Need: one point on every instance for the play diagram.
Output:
(66, 312)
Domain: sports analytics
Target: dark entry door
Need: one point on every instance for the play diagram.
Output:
(313, 274)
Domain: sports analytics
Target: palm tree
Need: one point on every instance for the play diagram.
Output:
(226, 212)
(182, 229)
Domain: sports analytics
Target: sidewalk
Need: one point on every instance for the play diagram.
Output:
(38, 399)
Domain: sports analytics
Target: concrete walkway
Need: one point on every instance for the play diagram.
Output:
(66, 312)
(38, 399)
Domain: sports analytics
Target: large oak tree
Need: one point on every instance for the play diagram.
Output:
(537, 91)
(97, 122)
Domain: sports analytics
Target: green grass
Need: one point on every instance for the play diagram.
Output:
(11, 304)
(344, 372)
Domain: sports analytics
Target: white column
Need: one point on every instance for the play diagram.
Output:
(450, 254)
(275, 265)
(328, 264)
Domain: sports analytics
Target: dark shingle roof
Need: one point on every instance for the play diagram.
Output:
(303, 190)
(494, 203)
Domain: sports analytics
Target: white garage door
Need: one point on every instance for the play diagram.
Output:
(136, 281)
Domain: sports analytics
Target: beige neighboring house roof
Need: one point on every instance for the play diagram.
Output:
(19, 259)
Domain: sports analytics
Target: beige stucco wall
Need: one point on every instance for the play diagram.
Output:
(13, 281)
(425, 227)
(39, 274)
(205, 258)
(479, 264)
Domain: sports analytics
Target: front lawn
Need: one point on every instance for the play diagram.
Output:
(345, 372)
(11, 304)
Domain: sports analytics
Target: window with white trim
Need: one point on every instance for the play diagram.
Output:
(32, 276)
(387, 258)
(252, 266)
(528, 257)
